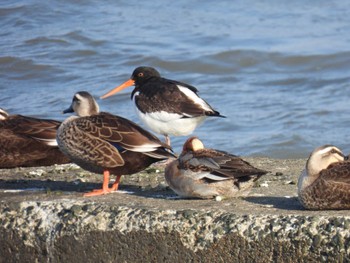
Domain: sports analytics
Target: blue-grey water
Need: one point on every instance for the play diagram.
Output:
(279, 70)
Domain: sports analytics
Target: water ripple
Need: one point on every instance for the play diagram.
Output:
(279, 72)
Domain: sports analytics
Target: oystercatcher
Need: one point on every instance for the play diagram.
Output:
(167, 107)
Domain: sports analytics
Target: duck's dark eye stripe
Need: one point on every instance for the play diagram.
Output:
(335, 151)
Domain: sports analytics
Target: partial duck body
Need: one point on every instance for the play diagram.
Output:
(28, 142)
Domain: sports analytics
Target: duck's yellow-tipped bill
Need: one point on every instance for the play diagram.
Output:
(126, 84)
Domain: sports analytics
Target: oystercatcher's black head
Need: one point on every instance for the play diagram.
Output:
(142, 74)
(138, 77)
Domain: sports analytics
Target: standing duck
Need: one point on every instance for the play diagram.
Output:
(325, 182)
(167, 107)
(208, 173)
(28, 142)
(104, 143)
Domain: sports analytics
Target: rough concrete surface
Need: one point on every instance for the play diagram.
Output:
(45, 218)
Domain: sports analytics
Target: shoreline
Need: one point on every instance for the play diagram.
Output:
(50, 220)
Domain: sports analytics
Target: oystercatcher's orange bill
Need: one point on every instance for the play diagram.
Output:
(126, 84)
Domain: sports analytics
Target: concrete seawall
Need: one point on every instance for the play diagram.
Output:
(44, 218)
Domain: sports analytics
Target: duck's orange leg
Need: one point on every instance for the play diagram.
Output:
(105, 189)
(116, 183)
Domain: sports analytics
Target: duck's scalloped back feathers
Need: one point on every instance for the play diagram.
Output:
(92, 132)
(119, 130)
(40, 129)
(90, 146)
(338, 173)
(27, 141)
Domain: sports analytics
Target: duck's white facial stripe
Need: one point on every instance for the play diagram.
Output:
(325, 150)
(194, 97)
(79, 97)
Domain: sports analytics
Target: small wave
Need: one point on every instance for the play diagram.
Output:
(25, 69)
(46, 40)
(8, 11)
(272, 61)
(249, 61)
(79, 36)
(20, 65)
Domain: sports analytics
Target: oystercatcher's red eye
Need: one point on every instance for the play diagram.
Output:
(140, 74)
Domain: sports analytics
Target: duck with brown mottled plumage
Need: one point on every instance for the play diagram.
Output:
(28, 142)
(325, 181)
(104, 143)
(208, 173)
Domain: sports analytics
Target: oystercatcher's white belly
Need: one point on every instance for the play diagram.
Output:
(166, 123)
(163, 122)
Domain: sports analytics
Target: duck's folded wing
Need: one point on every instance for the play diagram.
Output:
(201, 168)
(337, 174)
(43, 130)
(237, 167)
(204, 175)
(122, 132)
(227, 164)
(94, 149)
